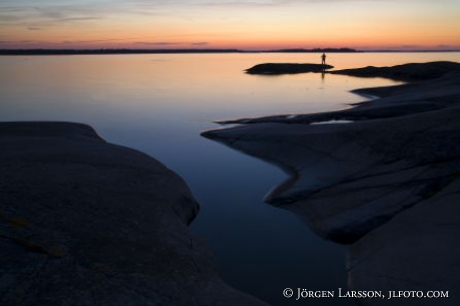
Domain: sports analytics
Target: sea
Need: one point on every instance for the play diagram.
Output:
(159, 104)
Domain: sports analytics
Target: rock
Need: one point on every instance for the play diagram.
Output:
(286, 68)
(348, 179)
(406, 72)
(388, 183)
(415, 251)
(400, 100)
(86, 222)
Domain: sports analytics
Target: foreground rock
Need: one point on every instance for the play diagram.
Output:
(387, 182)
(286, 68)
(416, 251)
(85, 222)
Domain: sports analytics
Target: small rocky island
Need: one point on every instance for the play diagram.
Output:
(382, 177)
(286, 68)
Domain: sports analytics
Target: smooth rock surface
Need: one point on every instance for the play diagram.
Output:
(347, 179)
(388, 183)
(86, 222)
(416, 251)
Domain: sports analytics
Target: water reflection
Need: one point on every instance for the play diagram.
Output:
(160, 103)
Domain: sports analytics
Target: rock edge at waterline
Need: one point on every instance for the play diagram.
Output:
(386, 180)
(86, 222)
(286, 68)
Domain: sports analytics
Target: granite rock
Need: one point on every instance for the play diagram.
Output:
(348, 179)
(416, 251)
(386, 181)
(86, 222)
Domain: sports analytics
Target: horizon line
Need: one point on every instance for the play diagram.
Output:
(89, 51)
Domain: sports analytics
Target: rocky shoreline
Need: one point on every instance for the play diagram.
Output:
(387, 183)
(86, 222)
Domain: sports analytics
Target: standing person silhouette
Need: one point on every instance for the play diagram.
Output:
(323, 59)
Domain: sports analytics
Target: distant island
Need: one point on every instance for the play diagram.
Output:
(327, 50)
(38, 51)
(155, 51)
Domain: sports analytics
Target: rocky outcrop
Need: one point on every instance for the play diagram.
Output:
(286, 68)
(386, 182)
(86, 222)
(416, 252)
(347, 179)
(406, 72)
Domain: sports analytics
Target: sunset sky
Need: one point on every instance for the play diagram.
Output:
(248, 25)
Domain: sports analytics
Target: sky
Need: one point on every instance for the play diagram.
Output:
(246, 25)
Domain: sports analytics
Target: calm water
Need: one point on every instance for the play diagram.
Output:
(159, 104)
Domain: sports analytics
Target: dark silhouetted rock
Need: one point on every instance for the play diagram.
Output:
(85, 222)
(286, 68)
(406, 72)
(347, 179)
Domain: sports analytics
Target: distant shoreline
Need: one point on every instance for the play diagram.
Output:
(37, 51)
(162, 51)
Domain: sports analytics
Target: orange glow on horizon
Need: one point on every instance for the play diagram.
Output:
(255, 26)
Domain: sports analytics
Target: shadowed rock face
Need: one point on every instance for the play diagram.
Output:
(406, 72)
(85, 222)
(348, 179)
(286, 68)
(387, 183)
(415, 251)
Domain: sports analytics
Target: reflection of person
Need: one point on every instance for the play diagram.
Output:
(323, 59)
